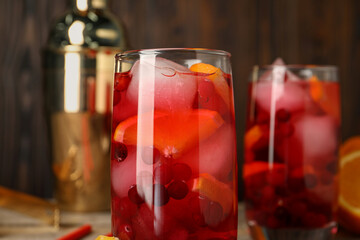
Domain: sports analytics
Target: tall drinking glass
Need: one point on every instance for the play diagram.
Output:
(173, 154)
(291, 145)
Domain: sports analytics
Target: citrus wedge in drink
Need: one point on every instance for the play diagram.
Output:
(171, 133)
(215, 190)
(216, 76)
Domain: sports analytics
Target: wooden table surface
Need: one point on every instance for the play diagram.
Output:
(14, 226)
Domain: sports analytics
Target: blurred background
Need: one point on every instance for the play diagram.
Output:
(253, 31)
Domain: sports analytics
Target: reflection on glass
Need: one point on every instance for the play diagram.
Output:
(72, 82)
(82, 5)
(76, 36)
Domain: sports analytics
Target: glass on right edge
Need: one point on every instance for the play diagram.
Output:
(291, 152)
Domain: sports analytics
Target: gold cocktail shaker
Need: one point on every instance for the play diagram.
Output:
(79, 69)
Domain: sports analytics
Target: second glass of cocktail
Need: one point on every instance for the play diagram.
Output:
(291, 144)
(173, 154)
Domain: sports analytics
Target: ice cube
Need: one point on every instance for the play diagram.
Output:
(174, 86)
(209, 98)
(318, 137)
(290, 96)
(313, 143)
(215, 155)
(287, 74)
(278, 61)
(123, 174)
(267, 76)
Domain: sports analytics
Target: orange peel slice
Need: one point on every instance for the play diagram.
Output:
(253, 135)
(316, 89)
(171, 133)
(215, 190)
(216, 76)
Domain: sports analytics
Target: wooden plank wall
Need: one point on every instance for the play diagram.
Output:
(254, 31)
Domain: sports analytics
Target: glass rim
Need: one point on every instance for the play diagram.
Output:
(316, 67)
(152, 51)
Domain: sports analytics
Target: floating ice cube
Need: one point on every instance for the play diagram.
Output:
(215, 155)
(268, 75)
(318, 138)
(313, 143)
(170, 85)
(278, 61)
(290, 96)
(286, 74)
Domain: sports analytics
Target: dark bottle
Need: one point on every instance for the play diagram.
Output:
(79, 66)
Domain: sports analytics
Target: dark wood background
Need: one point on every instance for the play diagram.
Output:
(254, 31)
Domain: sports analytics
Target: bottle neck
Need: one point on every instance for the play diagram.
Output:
(86, 5)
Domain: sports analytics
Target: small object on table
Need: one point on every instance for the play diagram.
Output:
(32, 206)
(77, 233)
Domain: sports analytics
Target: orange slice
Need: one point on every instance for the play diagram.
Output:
(350, 145)
(216, 76)
(171, 133)
(253, 135)
(316, 90)
(326, 95)
(349, 196)
(215, 190)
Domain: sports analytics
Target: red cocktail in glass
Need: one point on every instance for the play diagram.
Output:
(173, 154)
(291, 144)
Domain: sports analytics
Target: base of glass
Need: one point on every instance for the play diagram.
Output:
(264, 233)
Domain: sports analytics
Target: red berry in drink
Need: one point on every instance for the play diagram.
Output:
(326, 178)
(310, 180)
(134, 195)
(181, 171)
(284, 130)
(125, 232)
(213, 213)
(282, 115)
(178, 189)
(314, 220)
(163, 174)
(296, 184)
(124, 208)
(121, 81)
(262, 117)
(276, 177)
(199, 219)
(160, 195)
(332, 166)
(268, 194)
(197, 205)
(209, 98)
(297, 208)
(272, 222)
(150, 155)
(282, 214)
(179, 234)
(120, 151)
